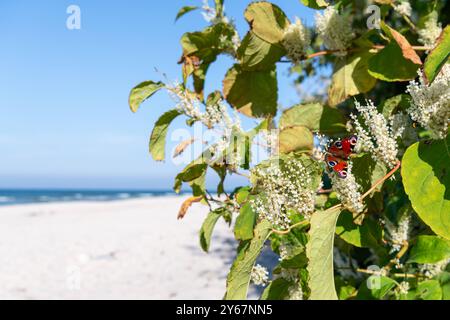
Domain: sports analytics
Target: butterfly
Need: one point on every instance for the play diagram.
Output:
(338, 153)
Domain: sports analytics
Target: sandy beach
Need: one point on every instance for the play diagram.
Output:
(129, 249)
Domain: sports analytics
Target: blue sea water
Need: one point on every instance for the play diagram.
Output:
(13, 197)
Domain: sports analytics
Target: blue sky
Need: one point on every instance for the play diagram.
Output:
(64, 118)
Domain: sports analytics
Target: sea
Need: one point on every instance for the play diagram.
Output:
(22, 196)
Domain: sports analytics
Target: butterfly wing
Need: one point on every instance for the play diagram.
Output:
(337, 165)
(343, 148)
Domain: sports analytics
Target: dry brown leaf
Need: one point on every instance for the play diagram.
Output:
(181, 147)
(186, 205)
(407, 50)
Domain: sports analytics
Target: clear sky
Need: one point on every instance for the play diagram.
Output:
(64, 117)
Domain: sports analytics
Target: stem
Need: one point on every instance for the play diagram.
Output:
(298, 224)
(396, 275)
(399, 255)
(382, 180)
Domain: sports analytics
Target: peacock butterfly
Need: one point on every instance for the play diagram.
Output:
(338, 153)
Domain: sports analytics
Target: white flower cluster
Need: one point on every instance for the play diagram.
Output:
(347, 191)
(430, 32)
(432, 270)
(295, 291)
(296, 40)
(335, 29)
(399, 233)
(210, 14)
(286, 187)
(430, 105)
(379, 139)
(403, 8)
(259, 275)
(403, 287)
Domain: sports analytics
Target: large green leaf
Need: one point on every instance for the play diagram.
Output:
(427, 183)
(253, 93)
(195, 174)
(390, 65)
(239, 277)
(142, 92)
(350, 78)
(316, 117)
(158, 137)
(444, 280)
(267, 21)
(208, 227)
(367, 235)
(295, 139)
(245, 222)
(319, 251)
(438, 56)
(429, 249)
(257, 54)
(278, 289)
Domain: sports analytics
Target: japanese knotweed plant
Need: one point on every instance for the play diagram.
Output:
(329, 198)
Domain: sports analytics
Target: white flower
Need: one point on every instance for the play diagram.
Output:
(432, 270)
(379, 139)
(347, 191)
(430, 105)
(210, 14)
(259, 275)
(431, 31)
(285, 185)
(402, 126)
(403, 8)
(399, 233)
(295, 292)
(296, 40)
(403, 288)
(336, 30)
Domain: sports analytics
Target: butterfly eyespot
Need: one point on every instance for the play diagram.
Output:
(338, 144)
(343, 174)
(332, 163)
(353, 140)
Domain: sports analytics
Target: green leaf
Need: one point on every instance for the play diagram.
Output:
(429, 290)
(208, 227)
(444, 281)
(253, 93)
(257, 54)
(350, 78)
(429, 249)
(315, 117)
(267, 21)
(185, 10)
(438, 56)
(194, 171)
(278, 289)
(242, 194)
(319, 250)
(426, 180)
(367, 235)
(315, 4)
(195, 174)
(239, 277)
(159, 133)
(142, 92)
(380, 286)
(295, 139)
(389, 65)
(245, 222)
(395, 104)
(367, 171)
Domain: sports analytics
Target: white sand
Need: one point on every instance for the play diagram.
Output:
(131, 249)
